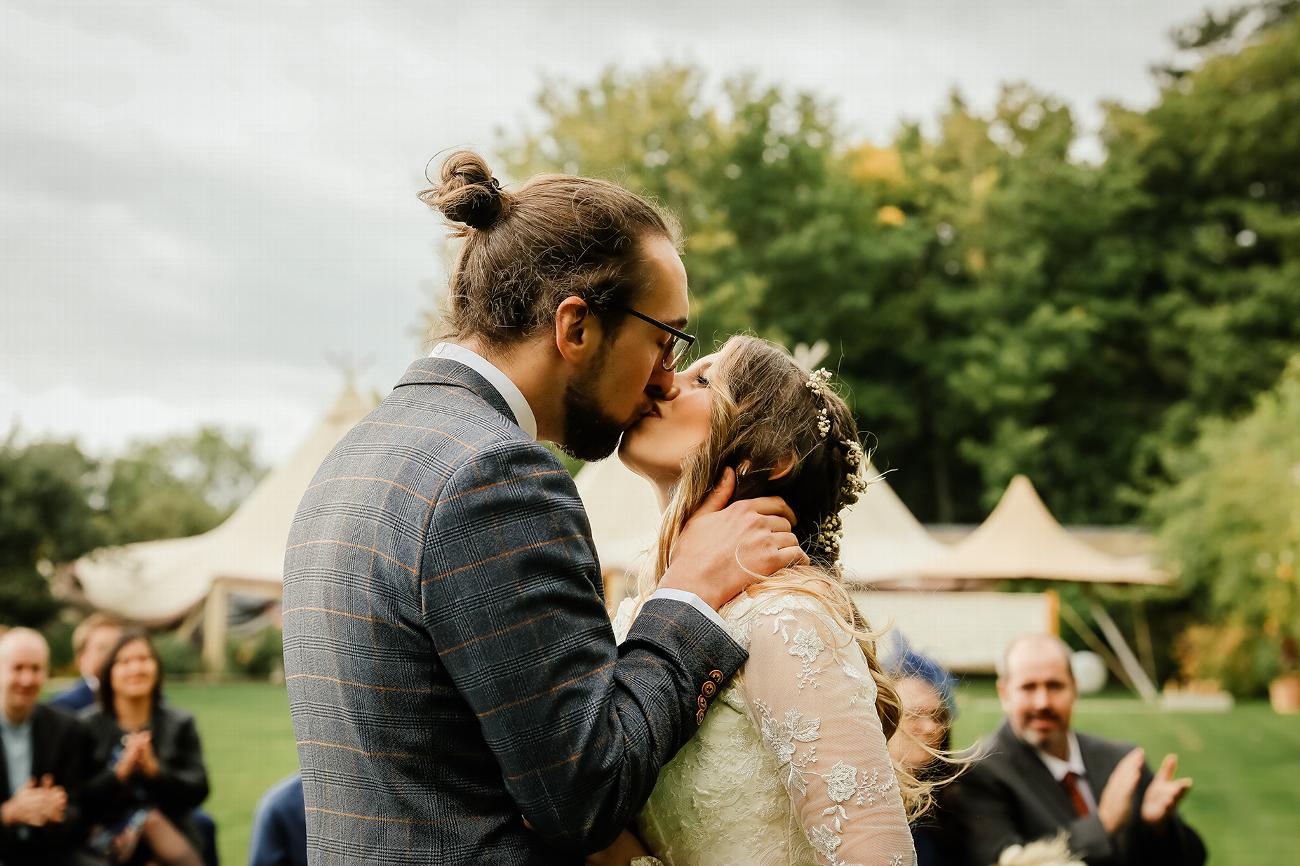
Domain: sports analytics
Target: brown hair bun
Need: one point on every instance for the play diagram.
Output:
(468, 192)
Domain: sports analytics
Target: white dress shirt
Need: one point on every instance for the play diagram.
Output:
(17, 740)
(527, 421)
(1059, 768)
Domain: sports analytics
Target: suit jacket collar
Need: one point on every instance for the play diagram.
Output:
(441, 371)
(1035, 774)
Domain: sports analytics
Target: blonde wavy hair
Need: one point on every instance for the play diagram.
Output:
(767, 420)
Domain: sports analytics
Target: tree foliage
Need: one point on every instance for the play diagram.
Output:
(994, 305)
(58, 503)
(1230, 524)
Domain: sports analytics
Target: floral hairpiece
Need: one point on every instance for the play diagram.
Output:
(854, 484)
(818, 382)
(828, 535)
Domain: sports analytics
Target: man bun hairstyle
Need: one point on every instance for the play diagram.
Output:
(526, 250)
(468, 193)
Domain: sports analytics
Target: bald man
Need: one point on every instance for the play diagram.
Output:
(45, 756)
(1038, 777)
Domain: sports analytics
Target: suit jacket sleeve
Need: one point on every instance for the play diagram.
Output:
(989, 816)
(182, 780)
(511, 596)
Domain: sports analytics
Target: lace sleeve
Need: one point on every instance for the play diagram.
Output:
(811, 694)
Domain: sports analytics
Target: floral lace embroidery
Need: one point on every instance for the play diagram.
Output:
(781, 737)
(808, 645)
(842, 785)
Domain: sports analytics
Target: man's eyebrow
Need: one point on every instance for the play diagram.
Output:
(679, 322)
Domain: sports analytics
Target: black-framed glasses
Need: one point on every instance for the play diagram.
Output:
(679, 342)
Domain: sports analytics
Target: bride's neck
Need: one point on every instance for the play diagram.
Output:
(664, 493)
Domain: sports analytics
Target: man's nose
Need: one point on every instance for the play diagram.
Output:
(663, 384)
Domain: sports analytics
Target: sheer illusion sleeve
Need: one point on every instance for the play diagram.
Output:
(811, 695)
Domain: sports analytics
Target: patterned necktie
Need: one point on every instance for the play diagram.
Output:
(1071, 785)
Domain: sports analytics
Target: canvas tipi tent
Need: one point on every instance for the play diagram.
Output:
(881, 537)
(157, 582)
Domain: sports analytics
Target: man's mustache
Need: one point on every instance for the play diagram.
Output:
(1045, 715)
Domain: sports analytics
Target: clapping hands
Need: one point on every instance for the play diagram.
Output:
(1159, 801)
(36, 805)
(1164, 792)
(137, 757)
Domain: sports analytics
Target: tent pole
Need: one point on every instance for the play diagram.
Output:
(1096, 644)
(215, 612)
(1141, 681)
(1142, 633)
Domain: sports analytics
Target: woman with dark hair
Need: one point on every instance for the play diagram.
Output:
(153, 775)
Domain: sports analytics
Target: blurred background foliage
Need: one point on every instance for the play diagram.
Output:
(994, 304)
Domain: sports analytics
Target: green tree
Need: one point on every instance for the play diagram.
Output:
(178, 486)
(1230, 526)
(46, 517)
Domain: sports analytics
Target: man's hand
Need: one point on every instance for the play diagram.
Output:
(1116, 801)
(35, 806)
(1164, 792)
(723, 547)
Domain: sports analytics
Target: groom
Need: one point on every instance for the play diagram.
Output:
(456, 691)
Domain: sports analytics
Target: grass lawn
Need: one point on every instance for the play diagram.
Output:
(1246, 763)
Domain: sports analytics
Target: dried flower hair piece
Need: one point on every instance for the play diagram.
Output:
(818, 380)
(827, 538)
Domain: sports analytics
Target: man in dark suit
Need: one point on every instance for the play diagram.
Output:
(92, 640)
(44, 760)
(1037, 777)
(457, 693)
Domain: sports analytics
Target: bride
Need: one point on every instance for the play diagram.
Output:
(790, 765)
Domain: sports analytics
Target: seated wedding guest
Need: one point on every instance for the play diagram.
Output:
(153, 776)
(45, 756)
(280, 826)
(91, 641)
(926, 691)
(1037, 777)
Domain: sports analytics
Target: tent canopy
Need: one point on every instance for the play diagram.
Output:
(881, 537)
(1021, 539)
(160, 581)
(883, 540)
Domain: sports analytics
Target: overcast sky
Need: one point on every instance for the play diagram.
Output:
(203, 202)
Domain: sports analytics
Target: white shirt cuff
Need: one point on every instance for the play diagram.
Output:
(693, 600)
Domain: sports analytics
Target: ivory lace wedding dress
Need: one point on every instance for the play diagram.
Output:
(790, 766)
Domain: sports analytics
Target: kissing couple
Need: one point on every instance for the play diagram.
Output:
(459, 694)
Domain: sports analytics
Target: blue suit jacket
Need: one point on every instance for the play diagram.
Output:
(74, 698)
(280, 827)
(451, 669)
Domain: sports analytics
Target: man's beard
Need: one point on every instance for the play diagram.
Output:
(589, 433)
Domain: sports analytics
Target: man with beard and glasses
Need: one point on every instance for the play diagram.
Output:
(1038, 777)
(456, 690)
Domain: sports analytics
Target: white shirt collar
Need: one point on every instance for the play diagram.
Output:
(508, 390)
(1059, 768)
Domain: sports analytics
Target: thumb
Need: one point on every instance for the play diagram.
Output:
(720, 495)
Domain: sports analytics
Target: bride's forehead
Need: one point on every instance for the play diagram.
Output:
(704, 362)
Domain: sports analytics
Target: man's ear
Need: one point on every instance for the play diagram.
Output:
(577, 330)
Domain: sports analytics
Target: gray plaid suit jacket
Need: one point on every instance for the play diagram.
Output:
(451, 668)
